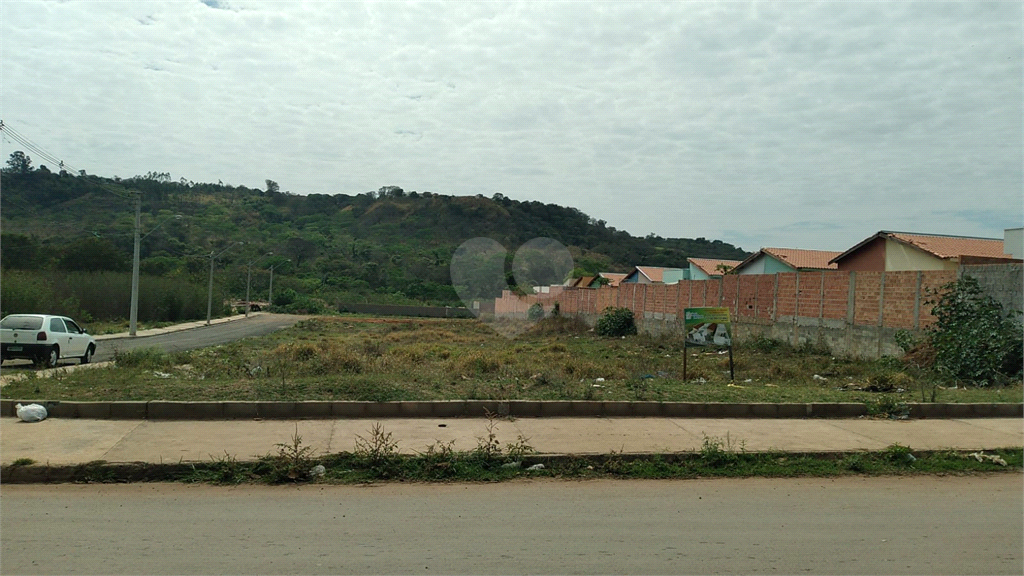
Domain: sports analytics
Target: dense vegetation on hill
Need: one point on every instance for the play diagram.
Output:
(386, 246)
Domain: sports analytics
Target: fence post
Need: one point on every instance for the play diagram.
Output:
(881, 312)
(775, 299)
(851, 302)
(796, 312)
(917, 303)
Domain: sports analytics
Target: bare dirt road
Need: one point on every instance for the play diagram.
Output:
(920, 525)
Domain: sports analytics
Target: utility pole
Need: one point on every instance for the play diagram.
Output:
(248, 281)
(133, 316)
(270, 296)
(209, 297)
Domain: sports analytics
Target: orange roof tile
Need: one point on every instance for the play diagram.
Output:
(953, 246)
(613, 277)
(710, 266)
(654, 273)
(803, 259)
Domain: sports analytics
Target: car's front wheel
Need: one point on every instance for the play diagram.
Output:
(88, 354)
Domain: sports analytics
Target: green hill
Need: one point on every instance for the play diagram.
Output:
(385, 246)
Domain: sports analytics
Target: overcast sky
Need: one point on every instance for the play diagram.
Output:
(805, 125)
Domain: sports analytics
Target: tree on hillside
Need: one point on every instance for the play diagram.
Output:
(94, 255)
(19, 163)
(301, 249)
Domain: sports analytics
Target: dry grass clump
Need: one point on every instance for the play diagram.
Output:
(581, 368)
(323, 357)
(554, 325)
(476, 363)
(920, 356)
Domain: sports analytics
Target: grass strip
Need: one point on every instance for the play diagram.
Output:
(444, 465)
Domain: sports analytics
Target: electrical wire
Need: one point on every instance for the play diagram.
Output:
(40, 152)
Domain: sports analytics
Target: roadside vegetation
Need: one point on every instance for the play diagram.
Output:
(376, 458)
(560, 358)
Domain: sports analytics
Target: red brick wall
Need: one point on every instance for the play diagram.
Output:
(786, 294)
(754, 297)
(868, 286)
(898, 305)
(837, 295)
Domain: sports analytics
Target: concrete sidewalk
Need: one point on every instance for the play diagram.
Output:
(63, 441)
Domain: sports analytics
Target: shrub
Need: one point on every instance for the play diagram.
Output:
(146, 358)
(536, 312)
(974, 339)
(616, 322)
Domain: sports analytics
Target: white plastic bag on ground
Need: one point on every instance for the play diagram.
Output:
(31, 413)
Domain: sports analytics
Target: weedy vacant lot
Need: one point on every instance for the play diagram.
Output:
(339, 358)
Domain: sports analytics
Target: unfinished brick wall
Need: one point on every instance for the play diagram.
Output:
(897, 300)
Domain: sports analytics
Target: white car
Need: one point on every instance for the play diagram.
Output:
(44, 339)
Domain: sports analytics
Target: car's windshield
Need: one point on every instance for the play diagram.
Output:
(22, 323)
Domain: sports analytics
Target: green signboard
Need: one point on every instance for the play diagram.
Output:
(707, 327)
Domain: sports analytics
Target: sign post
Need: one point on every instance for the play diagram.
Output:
(707, 327)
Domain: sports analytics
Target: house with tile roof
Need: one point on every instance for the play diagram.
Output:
(655, 275)
(707, 268)
(613, 278)
(580, 282)
(774, 260)
(888, 251)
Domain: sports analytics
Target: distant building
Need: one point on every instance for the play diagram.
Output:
(888, 251)
(1013, 242)
(613, 278)
(581, 282)
(774, 260)
(655, 275)
(706, 268)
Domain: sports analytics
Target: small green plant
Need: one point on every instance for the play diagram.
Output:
(854, 463)
(899, 455)
(224, 469)
(616, 322)
(717, 452)
(297, 460)
(762, 343)
(23, 462)
(488, 448)
(535, 312)
(379, 451)
(517, 450)
(890, 406)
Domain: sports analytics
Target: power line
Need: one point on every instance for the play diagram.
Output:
(40, 152)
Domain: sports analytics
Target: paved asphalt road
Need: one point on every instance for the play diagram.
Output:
(257, 325)
(895, 525)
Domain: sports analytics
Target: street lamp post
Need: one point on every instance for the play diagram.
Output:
(248, 281)
(133, 315)
(270, 296)
(209, 298)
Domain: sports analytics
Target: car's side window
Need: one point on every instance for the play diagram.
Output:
(57, 325)
(72, 327)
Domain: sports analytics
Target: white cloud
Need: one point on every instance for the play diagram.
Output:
(743, 122)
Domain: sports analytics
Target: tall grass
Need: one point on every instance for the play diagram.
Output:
(90, 296)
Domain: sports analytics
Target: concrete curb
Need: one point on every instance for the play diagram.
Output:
(172, 410)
